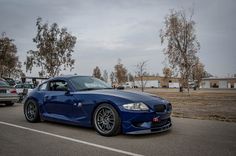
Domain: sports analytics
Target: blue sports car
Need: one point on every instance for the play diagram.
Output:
(87, 101)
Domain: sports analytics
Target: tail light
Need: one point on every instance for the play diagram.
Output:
(13, 91)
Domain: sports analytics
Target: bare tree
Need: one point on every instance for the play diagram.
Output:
(141, 72)
(130, 77)
(198, 72)
(112, 78)
(207, 75)
(167, 72)
(181, 43)
(120, 72)
(97, 72)
(54, 50)
(105, 76)
(10, 66)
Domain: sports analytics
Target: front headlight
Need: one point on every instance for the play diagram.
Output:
(136, 106)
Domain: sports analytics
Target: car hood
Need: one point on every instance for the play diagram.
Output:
(129, 96)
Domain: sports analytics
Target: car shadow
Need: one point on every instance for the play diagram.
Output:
(3, 105)
(121, 135)
(65, 125)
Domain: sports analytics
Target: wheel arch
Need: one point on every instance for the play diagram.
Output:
(32, 98)
(37, 103)
(105, 102)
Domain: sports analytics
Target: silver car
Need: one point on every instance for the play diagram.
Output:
(8, 94)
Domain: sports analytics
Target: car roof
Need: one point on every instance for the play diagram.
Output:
(66, 77)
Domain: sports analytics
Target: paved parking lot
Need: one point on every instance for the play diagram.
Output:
(187, 137)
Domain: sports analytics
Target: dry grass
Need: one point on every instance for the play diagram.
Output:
(201, 104)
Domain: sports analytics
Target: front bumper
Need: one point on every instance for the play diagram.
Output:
(156, 130)
(147, 122)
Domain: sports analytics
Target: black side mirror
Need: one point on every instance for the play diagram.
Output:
(67, 92)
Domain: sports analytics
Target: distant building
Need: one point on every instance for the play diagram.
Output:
(158, 81)
(218, 83)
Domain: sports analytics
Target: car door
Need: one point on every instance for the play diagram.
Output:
(57, 103)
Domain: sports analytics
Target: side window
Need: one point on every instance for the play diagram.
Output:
(58, 86)
(18, 86)
(43, 87)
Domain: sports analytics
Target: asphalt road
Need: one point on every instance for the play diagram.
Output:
(187, 137)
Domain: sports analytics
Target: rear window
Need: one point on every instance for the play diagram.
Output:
(3, 84)
(19, 86)
(28, 86)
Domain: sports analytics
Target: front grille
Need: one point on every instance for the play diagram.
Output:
(162, 108)
(161, 123)
(159, 108)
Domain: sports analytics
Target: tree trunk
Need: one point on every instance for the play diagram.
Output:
(187, 77)
(142, 86)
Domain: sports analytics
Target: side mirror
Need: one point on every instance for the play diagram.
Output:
(67, 92)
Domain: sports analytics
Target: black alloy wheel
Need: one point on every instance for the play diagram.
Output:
(31, 111)
(106, 120)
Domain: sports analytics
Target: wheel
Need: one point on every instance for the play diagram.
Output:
(31, 111)
(106, 120)
(9, 104)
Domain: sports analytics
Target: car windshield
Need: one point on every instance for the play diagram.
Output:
(88, 83)
(3, 84)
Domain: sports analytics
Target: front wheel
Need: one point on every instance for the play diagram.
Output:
(106, 120)
(31, 111)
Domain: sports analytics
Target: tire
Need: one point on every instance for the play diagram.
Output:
(9, 104)
(31, 111)
(106, 120)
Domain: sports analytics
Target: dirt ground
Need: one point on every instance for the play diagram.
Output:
(211, 104)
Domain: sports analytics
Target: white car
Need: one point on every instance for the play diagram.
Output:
(20, 88)
(8, 94)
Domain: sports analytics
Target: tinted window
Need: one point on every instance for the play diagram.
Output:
(4, 84)
(58, 86)
(88, 83)
(28, 86)
(43, 87)
(18, 86)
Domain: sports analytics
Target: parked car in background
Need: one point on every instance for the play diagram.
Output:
(20, 87)
(10, 81)
(23, 89)
(8, 95)
(128, 85)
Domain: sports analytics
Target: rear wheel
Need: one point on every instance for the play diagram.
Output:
(106, 120)
(31, 111)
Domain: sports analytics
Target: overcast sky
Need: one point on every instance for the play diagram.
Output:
(127, 29)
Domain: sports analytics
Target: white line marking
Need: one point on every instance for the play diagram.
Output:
(71, 139)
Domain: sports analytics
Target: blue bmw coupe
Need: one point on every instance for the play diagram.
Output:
(87, 101)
